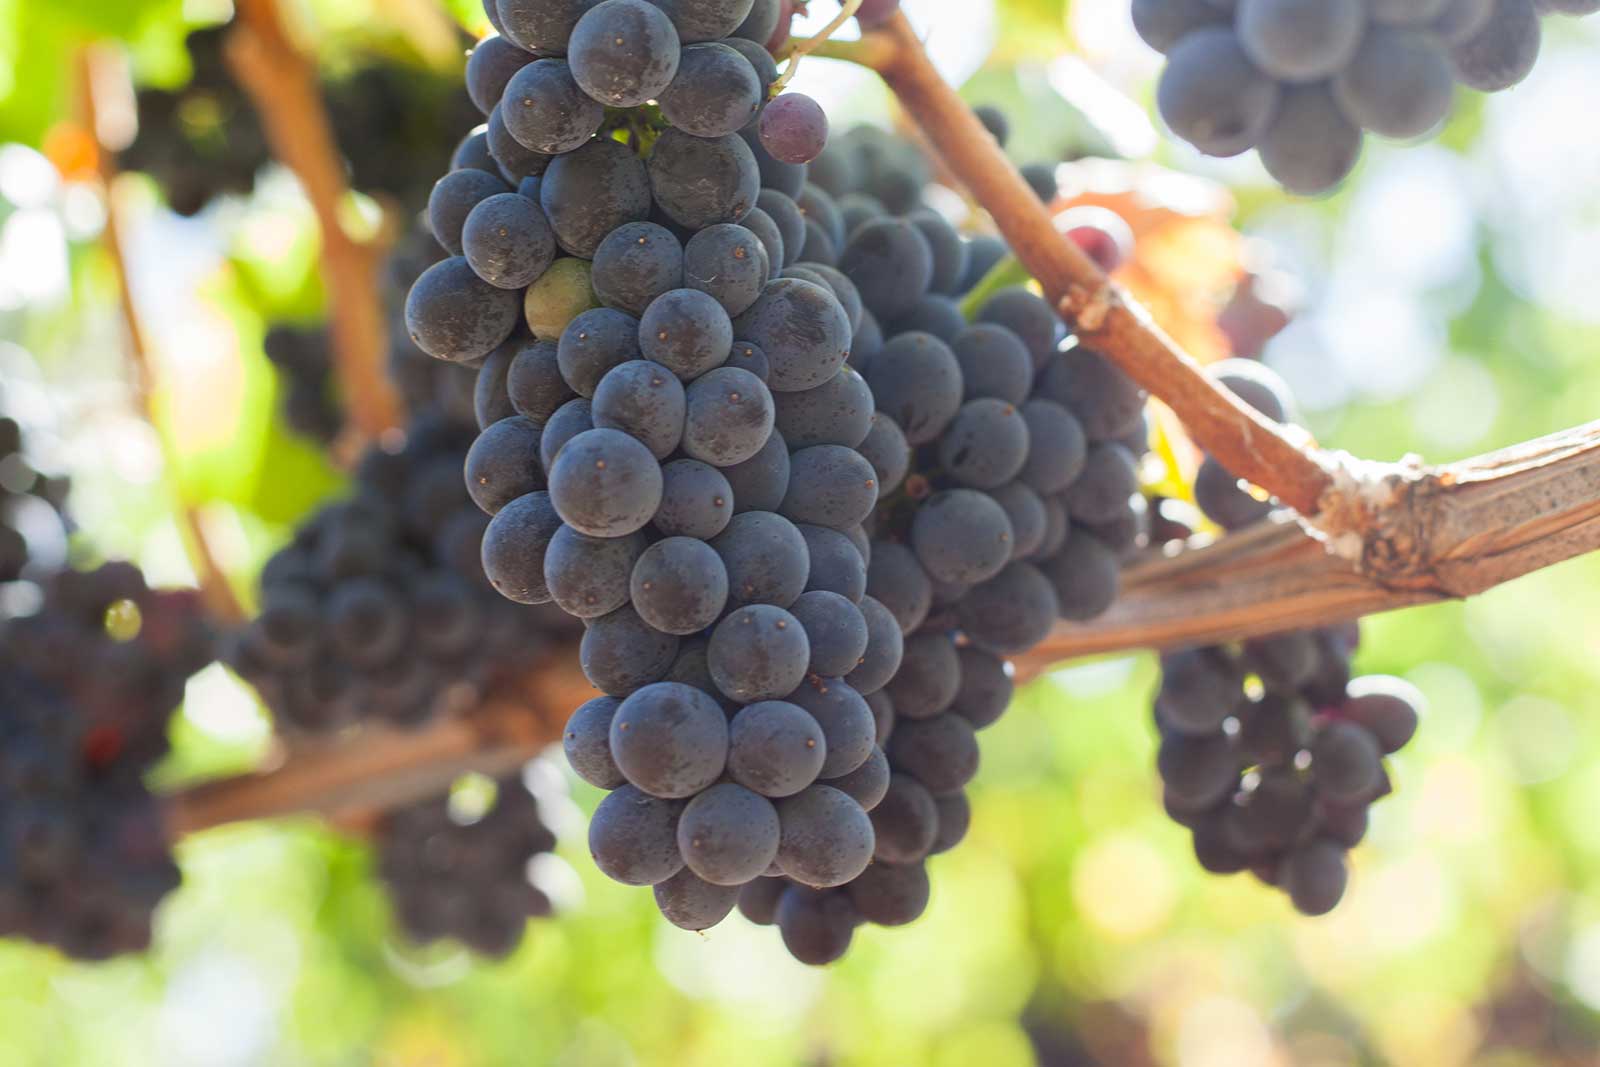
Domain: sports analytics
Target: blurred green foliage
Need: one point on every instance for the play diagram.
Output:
(1073, 926)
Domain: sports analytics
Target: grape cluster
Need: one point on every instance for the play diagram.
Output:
(30, 506)
(1300, 80)
(88, 683)
(301, 357)
(204, 140)
(1271, 755)
(378, 609)
(461, 871)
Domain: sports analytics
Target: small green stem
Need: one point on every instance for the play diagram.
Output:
(808, 45)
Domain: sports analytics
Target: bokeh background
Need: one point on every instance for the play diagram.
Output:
(1445, 306)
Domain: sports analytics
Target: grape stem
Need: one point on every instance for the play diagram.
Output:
(1287, 464)
(806, 45)
(378, 769)
(282, 84)
(96, 76)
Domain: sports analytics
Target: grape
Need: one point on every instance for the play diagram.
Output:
(929, 677)
(837, 412)
(762, 22)
(856, 209)
(941, 752)
(1257, 385)
(1199, 689)
(679, 585)
(758, 900)
(561, 294)
(1012, 612)
(1211, 94)
(696, 500)
(897, 580)
(948, 250)
(917, 382)
(588, 576)
(508, 240)
(705, 20)
(1315, 877)
(787, 178)
(1101, 491)
(891, 264)
(906, 821)
(827, 840)
(534, 384)
(621, 653)
(984, 253)
(955, 816)
(794, 128)
(1503, 50)
(816, 205)
(1300, 40)
(767, 232)
(961, 536)
(691, 903)
(1029, 318)
(514, 161)
(790, 221)
(883, 713)
(1462, 19)
(760, 482)
(994, 363)
(1198, 770)
(570, 420)
(1311, 145)
(491, 65)
(1284, 661)
(846, 720)
(1058, 448)
(473, 153)
(605, 484)
(593, 343)
(1346, 761)
(503, 464)
(541, 26)
(454, 315)
(885, 646)
(830, 485)
(636, 263)
(1273, 729)
(836, 567)
(590, 192)
(633, 837)
(932, 313)
(453, 198)
(803, 331)
(835, 629)
(1219, 494)
(729, 418)
(545, 110)
(844, 290)
(816, 927)
(868, 783)
(715, 92)
(728, 263)
(749, 357)
(1086, 576)
(587, 743)
(985, 445)
(759, 652)
(775, 748)
(1041, 178)
(1387, 707)
(1163, 23)
(891, 894)
(645, 401)
(1026, 513)
(366, 621)
(728, 835)
(1398, 84)
(699, 182)
(985, 689)
(514, 547)
(1347, 826)
(623, 52)
(1098, 394)
(994, 120)
(885, 447)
